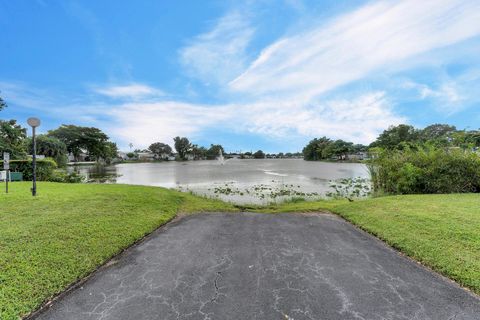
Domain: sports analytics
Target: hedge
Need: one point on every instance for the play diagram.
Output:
(45, 168)
(426, 170)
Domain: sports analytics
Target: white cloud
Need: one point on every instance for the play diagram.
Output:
(355, 44)
(133, 90)
(144, 123)
(220, 54)
(357, 120)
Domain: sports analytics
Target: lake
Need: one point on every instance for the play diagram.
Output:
(256, 181)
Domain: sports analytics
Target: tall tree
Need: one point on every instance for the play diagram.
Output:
(317, 149)
(259, 155)
(396, 137)
(437, 131)
(50, 147)
(77, 139)
(12, 139)
(161, 150)
(214, 151)
(183, 147)
(339, 148)
(199, 153)
(109, 151)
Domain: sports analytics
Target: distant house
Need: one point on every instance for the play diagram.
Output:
(146, 156)
(82, 157)
(163, 156)
(122, 155)
(233, 156)
(357, 156)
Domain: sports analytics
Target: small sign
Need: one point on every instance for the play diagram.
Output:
(6, 161)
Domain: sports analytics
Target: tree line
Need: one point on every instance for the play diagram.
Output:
(188, 150)
(56, 144)
(397, 137)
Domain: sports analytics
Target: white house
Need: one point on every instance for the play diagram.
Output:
(146, 156)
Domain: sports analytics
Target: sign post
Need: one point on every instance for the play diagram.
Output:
(6, 166)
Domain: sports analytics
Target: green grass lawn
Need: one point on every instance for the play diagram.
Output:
(441, 231)
(68, 230)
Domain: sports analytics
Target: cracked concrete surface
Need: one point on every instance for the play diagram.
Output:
(264, 266)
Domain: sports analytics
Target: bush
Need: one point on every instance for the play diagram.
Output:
(425, 170)
(61, 175)
(45, 168)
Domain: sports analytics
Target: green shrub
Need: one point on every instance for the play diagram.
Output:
(61, 175)
(45, 168)
(425, 170)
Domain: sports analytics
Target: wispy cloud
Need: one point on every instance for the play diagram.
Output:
(144, 123)
(219, 55)
(359, 119)
(449, 95)
(351, 46)
(133, 90)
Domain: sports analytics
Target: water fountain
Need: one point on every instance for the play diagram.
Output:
(220, 158)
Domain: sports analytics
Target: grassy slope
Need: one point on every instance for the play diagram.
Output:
(441, 231)
(68, 230)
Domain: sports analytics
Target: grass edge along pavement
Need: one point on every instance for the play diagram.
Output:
(51, 241)
(441, 231)
(78, 227)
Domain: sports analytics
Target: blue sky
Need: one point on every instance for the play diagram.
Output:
(250, 75)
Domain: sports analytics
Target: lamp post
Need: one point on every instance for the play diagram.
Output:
(34, 122)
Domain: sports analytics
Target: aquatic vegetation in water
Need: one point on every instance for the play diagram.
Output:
(350, 188)
(263, 191)
(280, 192)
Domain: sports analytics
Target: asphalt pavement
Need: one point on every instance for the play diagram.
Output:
(263, 266)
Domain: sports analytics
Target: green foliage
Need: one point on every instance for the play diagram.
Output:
(437, 132)
(61, 175)
(183, 147)
(350, 188)
(3, 104)
(49, 147)
(259, 154)
(437, 135)
(45, 168)
(325, 148)
(131, 155)
(12, 139)
(214, 151)
(397, 137)
(425, 170)
(109, 151)
(89, 139)
(161, 150)
(199, 153)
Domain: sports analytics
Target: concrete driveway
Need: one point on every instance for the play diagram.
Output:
(264, 266)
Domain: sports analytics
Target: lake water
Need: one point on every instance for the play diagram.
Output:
(241, 181)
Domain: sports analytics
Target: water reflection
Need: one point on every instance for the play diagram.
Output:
(205, 177)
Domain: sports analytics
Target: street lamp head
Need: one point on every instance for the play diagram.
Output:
(33, 122)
